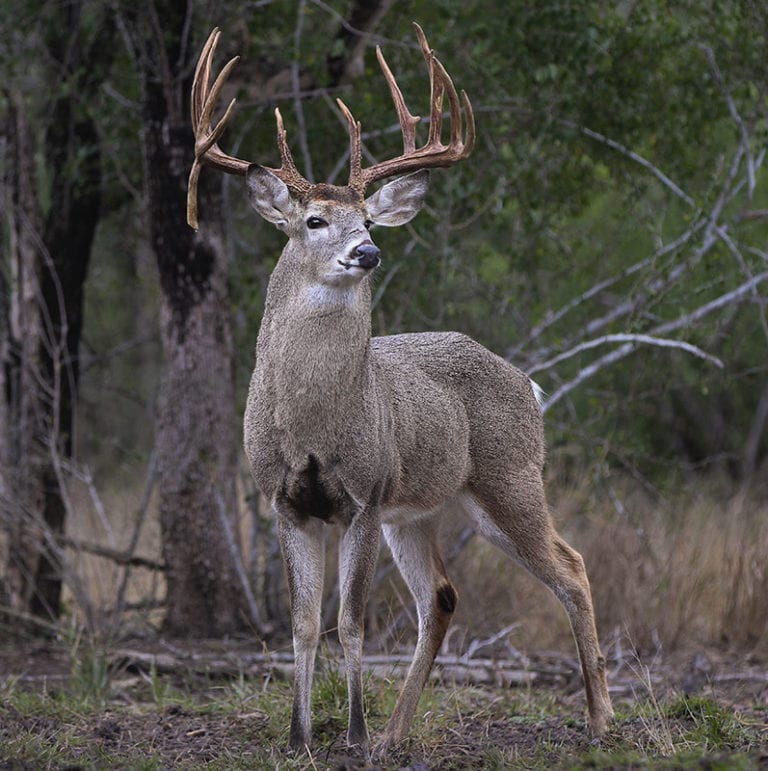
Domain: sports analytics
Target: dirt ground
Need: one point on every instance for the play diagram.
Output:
(184, 736)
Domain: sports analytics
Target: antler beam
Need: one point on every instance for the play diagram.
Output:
(202, 104)
(207, 151)
(434, 153)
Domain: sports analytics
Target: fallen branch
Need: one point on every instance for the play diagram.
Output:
(120, 557)
(454, 669)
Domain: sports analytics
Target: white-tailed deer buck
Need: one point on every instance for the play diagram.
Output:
(384, 433)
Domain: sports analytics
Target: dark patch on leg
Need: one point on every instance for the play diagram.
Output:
(447, 598)
(601, 664)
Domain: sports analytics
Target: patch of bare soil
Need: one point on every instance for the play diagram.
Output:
(179, 737)
(188, 738)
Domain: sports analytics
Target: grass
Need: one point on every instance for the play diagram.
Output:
(672, 574)
(155, 722)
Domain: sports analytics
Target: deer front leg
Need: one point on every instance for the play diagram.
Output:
(303, 548)
(415, 551)
(357, 562)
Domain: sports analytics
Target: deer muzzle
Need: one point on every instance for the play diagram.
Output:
(367, 256)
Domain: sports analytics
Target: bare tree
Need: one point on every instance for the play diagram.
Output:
(49, 252)
(196, 430)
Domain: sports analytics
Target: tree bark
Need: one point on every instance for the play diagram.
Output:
(196, 432)
(49, 264)
(20, 484)
(363, 18)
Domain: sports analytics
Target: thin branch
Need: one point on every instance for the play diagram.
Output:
(734, 249)
(237, 560)
(547, 322)
(756, 430)
(29, 618)
(372, 36)
(719, 302)
(753, 214)
(743, 133)
(625, 338)
(115, 555)
(623, 351)
(477, 645)
(588, 372)
(646, 164)
(391, 273)
(149, 486)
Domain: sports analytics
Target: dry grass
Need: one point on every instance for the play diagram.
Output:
(683, 573)
(689, 571)
(686, 572)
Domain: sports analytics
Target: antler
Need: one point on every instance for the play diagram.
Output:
(203, 102)
(434, 153)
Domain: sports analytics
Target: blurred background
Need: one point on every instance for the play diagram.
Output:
(608, 236)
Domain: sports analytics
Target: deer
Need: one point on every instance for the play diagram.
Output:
(382, 435)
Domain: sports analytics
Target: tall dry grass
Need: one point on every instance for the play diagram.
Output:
(692, 570)
(683, 571)
(689, 570)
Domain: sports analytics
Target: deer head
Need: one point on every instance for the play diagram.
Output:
(328, 229)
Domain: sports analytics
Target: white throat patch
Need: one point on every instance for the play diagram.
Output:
(324, 296)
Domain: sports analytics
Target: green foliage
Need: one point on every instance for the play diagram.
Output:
(713, 726)
(541, 213)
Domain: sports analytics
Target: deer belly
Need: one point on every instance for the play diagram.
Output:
(433, 445)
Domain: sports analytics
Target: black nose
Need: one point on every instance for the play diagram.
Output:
(367, 255)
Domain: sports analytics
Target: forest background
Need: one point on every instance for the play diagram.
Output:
(608, 236)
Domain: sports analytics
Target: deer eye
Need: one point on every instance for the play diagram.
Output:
(368, 224)
(316, 222)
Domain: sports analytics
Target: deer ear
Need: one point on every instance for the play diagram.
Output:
(269, 195)
(400, 200)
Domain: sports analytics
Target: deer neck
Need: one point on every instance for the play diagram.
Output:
(313, 354)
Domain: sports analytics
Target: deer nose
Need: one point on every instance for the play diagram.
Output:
(368, 255)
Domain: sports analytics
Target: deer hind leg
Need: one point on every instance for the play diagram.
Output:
(303, 548)
(415, 551)
(518, 521)
(357, 562)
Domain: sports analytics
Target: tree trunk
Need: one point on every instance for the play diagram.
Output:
(20, 465)
(49, 264)
(196, 432)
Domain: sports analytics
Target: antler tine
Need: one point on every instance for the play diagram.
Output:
(288, 172)
(201, 78)
(437, 89)
(202, 103)
(213, 96)
(407, 121)
(434, 153)
(355, 148)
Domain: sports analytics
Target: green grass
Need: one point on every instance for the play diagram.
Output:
(151, 722)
